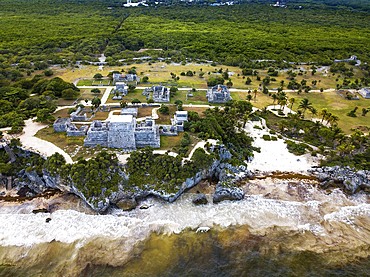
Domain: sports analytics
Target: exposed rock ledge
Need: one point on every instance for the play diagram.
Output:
(31, 184)
(349, 179)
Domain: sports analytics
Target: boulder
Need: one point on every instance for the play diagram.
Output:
(200, 199)
(223, 193)
(127, 204)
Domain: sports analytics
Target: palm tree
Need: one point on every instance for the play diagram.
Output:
(313, 111)
(275, 97)
(333, 120)
(304, 105)
(282, 104)
(324, 114)
(291, 100)
(255, 94)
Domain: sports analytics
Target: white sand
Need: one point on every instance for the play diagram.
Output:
(45, 148)
(274, 155)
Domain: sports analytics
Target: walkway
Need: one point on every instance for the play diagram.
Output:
(43, 147)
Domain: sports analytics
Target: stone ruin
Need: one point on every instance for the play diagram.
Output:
(159, 94)
(120, 91)
(65, 125)
(118, 77)
(178, 120)
(218, 94)
(78, 115)
(123, 131)
(132, 111)
(177, 124)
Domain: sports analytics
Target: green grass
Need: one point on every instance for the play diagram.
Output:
(171, 142)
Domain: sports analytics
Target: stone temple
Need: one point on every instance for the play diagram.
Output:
(218, 94)
(123, 131)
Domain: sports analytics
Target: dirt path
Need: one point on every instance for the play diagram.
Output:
(43, 147)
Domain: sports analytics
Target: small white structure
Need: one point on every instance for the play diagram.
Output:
(141, 3)
(202, 229)
(178, 120)
(365, 93)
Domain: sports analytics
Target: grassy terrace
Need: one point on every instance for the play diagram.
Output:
(161, 71)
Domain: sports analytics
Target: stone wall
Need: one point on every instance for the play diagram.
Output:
(147, 137)
(121, 135)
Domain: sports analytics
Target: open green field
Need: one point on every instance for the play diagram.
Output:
(160, 73)
(329, 100)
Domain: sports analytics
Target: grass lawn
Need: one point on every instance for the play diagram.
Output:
(144, 111)
(338, 106)
(331, 101)
(166, 118)
(136, 94)
(87, 94)
(159, 73)
(171, 142)
(93, 82)
(62, 113)
(64, 102)
(198, 110)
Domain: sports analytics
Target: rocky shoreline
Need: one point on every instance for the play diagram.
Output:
(29, 184)
(346, 178)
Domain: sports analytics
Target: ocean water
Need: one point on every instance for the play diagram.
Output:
(282, 228)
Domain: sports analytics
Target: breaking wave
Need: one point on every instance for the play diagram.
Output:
(327, 218)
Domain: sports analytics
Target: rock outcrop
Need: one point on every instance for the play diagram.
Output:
(223, 193)
(349, 179)
(200, 199)
(31, 183)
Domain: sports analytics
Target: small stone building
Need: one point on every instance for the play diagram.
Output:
(131, 111)
(218, 94)
(73, 131)
(178, 120)
(161, 94)
(78, 115)
(118, 77)
(365, 93)
(60, 124)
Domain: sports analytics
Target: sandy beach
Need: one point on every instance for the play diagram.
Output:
(274, 155)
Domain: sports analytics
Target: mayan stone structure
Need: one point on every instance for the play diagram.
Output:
(97, 134)
(218, 94)
(147, 134)
(122, 131)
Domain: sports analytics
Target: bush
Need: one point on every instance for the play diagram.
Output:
(296, 148)
(48, 72)
(95, 90)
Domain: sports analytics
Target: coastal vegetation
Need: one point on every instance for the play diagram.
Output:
(275, 56)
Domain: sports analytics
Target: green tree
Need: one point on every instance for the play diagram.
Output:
(98, 76)
(95, 90)
(215, 80)
(164, 109)
(96, 102)
(135, 101)
(304, 105)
